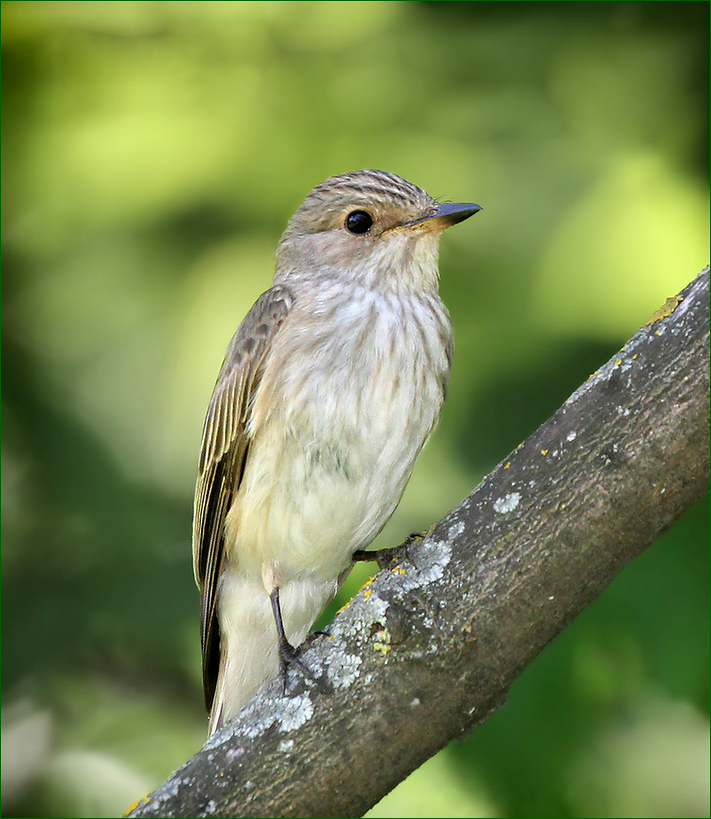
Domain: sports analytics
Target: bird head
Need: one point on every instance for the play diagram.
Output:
(369, 227)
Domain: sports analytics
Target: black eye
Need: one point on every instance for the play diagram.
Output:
(359, 222)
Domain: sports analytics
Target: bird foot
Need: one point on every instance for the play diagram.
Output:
(288, 657)
(384, 557)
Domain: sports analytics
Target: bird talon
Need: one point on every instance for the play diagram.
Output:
(289, 656)
(384, 557)
(312, 636)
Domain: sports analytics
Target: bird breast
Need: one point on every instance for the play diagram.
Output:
(351, 390)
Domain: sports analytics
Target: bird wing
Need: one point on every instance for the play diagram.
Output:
(223, 454)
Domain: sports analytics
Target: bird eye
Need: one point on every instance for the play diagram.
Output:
(359, 222)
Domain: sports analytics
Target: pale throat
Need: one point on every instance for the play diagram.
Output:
(397, 263)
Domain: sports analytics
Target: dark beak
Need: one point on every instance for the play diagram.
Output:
(448, 214)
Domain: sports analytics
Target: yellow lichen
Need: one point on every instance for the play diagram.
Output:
(144, 800)
(665, 310)
(382, 641)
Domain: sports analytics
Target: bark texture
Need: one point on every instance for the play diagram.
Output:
(428, 649)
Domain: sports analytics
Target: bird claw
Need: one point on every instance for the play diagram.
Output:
(312, 636)
(384, 557)
(289, 656)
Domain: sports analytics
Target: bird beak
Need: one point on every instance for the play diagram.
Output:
(443, 216)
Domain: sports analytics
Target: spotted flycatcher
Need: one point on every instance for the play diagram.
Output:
(329, 390)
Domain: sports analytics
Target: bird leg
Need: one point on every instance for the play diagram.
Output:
(288, 655)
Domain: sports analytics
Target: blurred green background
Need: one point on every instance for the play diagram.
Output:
(152, 153)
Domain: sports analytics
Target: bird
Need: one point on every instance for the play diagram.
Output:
(327, 393)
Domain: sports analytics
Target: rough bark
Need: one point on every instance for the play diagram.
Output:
(428, 650)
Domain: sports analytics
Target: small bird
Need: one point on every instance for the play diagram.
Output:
(329, 389)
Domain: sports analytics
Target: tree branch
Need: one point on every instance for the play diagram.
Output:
(428, 649)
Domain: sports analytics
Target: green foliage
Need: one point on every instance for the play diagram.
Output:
(152, 153)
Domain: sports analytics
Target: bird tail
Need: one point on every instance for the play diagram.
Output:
(249, 646)
(249, 655)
